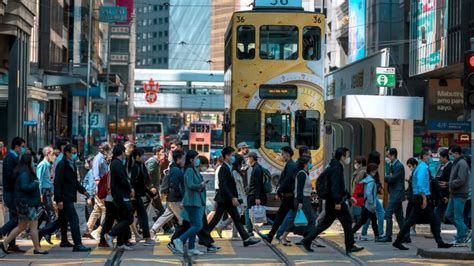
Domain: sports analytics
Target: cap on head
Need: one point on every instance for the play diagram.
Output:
(242, 145)
(253, 155)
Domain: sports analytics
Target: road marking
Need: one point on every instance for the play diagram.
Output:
(169, 261)
(312, 262)
(292, 250)
(101, 251)
(227, 248)
(420, 261)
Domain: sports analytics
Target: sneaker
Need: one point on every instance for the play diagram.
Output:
(171, 247)
(109, 239)
(95, 235)
(178, 245)
(251, 241)
(125, 248)
(366, 238)
(213, 249)
(195, 252)
(149, 242)
(139, 239)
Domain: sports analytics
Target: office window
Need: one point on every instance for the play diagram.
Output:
(140, 23)
(144, 9)
(166, 47)
(166, 33)
(160, 47)
(139, 37)
(149, 48)
(139, 63)
(143, 61)
(160, 34)
(154, 61)
(149, 35)
(154, 21)
(140, 10)
(166, 20)
(144, 49)
(154, 47)
(160, 60)
(160, 20)
(155, 34)
(145, 22)
(149, 60)
(144, 36)
(161, 7)
(155, 8)
(165, 60)
(150, 22)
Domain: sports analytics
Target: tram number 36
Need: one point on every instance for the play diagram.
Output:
(240, 19)
(317, 19)
(281, 2)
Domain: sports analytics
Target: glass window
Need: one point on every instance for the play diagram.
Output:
(160, 34)
(161, 7)
(279, 42)
(245, 42)
(166, 33)
(307, 129)
(154, 21)
(199, 147)
(277, 131)
(155, 8)
(247, 124)
(165, 46)
(206, 147)
(155, 34)
(311, 43)
(160, 20)
(160, 47)
(159, 60)
(193, 147)
(166, 20)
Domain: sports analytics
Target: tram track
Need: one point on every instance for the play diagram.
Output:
(280, 254)
(333, 245)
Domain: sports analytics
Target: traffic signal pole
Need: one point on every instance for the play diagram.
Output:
(472, 163)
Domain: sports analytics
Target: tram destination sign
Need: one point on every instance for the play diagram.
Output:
(278, 92)
(278, 4)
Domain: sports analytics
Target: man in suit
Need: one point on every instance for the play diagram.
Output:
(9, 163)
(396, 189)
(66, 187)
(227, 198)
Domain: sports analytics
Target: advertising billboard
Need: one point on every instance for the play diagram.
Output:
(357, 25)
(430, 30)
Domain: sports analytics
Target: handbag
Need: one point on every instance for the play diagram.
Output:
(300, 219)
(258, 214)
(21, 207)
(102, 187)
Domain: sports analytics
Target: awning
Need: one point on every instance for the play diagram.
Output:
(94, 91)
(375, 107)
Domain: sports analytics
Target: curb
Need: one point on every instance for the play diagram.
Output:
(446, 255)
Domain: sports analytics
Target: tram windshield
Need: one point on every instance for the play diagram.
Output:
(279, 42)
(277, 131)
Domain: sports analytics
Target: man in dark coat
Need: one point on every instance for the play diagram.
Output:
(66, 186)
(9, 163)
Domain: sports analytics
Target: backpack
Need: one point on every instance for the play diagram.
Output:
(102, 187)
(323, 188)
(165, 183)
(267, 181)
(358, 194)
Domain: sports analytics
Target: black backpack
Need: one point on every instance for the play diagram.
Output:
(267, 181)
(165, 184)
(323, 188)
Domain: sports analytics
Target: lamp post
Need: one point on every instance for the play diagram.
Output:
(88, 100)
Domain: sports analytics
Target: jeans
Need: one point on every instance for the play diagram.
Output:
(195, 219)
(286, 222)
(397, 209)
(9, 200)
(205, 239)
(380, 212)
(455, 213)
(331, 214)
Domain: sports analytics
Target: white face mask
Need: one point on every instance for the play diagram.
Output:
(356, 166)
(347, 161)
(387, 160)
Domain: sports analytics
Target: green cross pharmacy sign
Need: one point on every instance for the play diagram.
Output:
(385, 76)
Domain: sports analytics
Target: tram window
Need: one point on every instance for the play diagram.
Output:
(247, 127)
(193, 147)
(279, 42)
(206, 147)
(277, 131)
(199, 147)
(311, 43)
(307, 129)
(245, 42)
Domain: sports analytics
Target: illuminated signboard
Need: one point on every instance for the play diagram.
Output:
(278, 92)
(278, 4)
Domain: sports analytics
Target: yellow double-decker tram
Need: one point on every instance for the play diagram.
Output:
(274, 62)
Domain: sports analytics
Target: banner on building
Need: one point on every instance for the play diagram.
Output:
(357, 9)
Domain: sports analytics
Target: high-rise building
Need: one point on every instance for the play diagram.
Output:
(173, 34)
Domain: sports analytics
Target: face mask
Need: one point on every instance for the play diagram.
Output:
(430, 160)
(203, 169)
(22, 151)
(232, 159)
(347, 160)
(387, 160)
(451, 157)
(74, 157)
(356, 166)
(310, 166)
(197, 162)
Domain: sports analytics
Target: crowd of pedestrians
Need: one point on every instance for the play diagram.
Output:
(121, 184)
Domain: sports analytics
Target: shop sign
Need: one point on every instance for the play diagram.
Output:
(30, 122)
(385, 76)
(442, 125)
(464, 138)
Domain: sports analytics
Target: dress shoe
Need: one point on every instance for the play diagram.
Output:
(81, 248)
(399, 245)
(251, 242)
(66, 245)
(354, 248)
(444, 245)
(384, 239)
(307, 246)
(2, 247)
(15, 249)
(40, 252)
(407, 240)
(268, 238)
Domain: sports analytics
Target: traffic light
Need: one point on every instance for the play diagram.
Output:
(468, 79)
